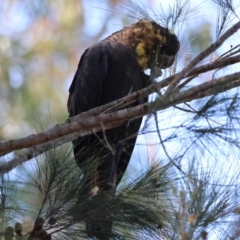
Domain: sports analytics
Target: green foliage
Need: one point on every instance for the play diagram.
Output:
(53, 188)
(158, 202)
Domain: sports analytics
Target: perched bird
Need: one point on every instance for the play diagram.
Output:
(109, 70)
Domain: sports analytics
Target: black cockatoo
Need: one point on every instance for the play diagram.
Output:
(109, 70)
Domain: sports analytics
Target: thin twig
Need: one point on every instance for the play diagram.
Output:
(213, 47)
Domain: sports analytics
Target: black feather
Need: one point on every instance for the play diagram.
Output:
(107, 71)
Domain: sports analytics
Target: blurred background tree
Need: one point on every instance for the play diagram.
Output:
(40, 45)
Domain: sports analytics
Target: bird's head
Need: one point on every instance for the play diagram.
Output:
(154, 44)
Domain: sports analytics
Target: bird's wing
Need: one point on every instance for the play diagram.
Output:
(106, 72)
(128, 149)
(85, 90)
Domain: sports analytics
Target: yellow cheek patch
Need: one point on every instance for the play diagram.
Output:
(143, 62)
(140, 49)
(141, 55)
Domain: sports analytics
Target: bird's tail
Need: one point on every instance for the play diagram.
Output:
(100, 226)
(102, 231)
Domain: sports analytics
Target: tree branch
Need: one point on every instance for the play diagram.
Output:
(79, 128)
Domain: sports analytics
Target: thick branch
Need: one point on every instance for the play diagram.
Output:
(120, 103)
(53, 133)
(206, 89)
